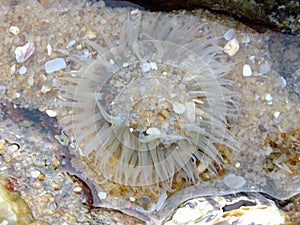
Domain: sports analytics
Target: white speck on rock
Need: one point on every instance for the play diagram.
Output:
(55, 65)
(71, 43)
(234, 181)
(49, 49)
(35, 174)
(247, 71)
(153, 66)
(51, 113)
(153, 131)
(145, 67)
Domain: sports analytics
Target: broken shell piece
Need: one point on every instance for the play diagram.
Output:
(153, 131)
(178, 108)
(24, 52)
(14, 30)
(232, 47)
(247, 71)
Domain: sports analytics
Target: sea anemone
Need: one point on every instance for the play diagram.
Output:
(153, 102)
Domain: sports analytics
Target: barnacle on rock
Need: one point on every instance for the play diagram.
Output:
(152, 103)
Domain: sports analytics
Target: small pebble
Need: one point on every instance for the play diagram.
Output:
(252, 59)
(55, 65)
(178, 108)
(85, 53)
(51, 113)
(22, 70)
(24, 52)
(247, 71)
(35, 174)
(49, 49)
(14, 30)
(232, 47)
(145, 67)
(153, 131)
(276, 114)
(71, 43)
(91, 35)
(282, 81)
(268, 97)
(229, 34)
(102, 195)
(153, 65)
(77, 189)
(234, 181)
(2, 89)
(264, 68)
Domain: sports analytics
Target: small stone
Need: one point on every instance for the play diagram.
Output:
(186, 215)
(234, 181)
(22, 70)
(45, 89)
(145, 67)
(282, 81)
(132, 199)
(2, 89)
(247, 71)
(102, 195)
(77, 189)
(71, 43)
(91, 35)
(55, 65)
(85, 53)
(35, 174)
(229, 34)
(14, 30)
(276, 114)
(153, 131)
(125, 65)
(264, 68)
(153, 66)
(232, 47)
(51, 113)
(24, 52)
(49, 49)
(268, 97)
(178, 108)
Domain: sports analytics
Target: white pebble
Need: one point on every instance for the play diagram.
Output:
(232, 47)
(35, 174)
(268, 97)
(229, 34)
(234, 181)
(247, 71)
(55, 65)
(22, 70)
(14, 30)
(51, 113)
(264, 68)
(85, 53)
(153, 65)
(24, 52)
(2, 89)
(153, 131)
(282, 81)
(186, 215)
(190, 111)
(71, 43)
(252, 59)
(49, 49)
(145, 67)
(276, 114)
(102, 195)
(178, 108)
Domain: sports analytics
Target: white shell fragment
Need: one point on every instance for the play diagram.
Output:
(276, 114)
(55, 65)
(71, 43)
(178, 107)
(232, 47)
(22, 70)
(247, 71)
(49, 49)
(102, 195)
(14, 30)
(51, 113)
(24, 52)
(268, 97)
(233, 181)
(153, 131)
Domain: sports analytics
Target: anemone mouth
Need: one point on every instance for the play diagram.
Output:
(149, 108)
